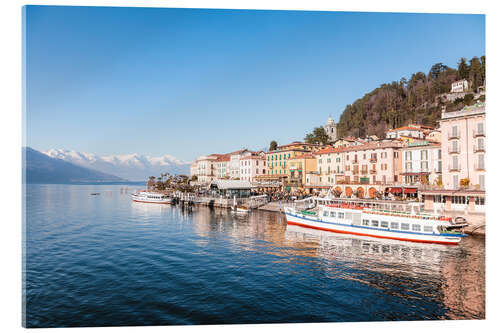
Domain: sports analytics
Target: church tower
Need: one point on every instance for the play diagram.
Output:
(331, 129)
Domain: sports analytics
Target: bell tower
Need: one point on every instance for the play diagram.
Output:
(331, 129)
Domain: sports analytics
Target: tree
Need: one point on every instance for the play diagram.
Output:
(468, 99)
(475, 73)
(273, 145)
(151, 181)
(463, 69)
(483, 69)
(194, 178)
(437, 69)
(318, 135)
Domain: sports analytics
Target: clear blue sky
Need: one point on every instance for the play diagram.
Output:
(188, 82)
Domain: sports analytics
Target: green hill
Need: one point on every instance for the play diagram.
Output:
(418, 99)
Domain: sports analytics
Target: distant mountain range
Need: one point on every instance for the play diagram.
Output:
(133, 167)
(41, 168)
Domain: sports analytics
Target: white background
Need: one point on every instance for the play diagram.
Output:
(11, 138)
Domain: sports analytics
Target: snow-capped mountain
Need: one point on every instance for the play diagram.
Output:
(132, 166)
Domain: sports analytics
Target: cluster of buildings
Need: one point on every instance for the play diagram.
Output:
(444, 166)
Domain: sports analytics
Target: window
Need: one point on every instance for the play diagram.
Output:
(480, 143)
(423, 154)
(325, 213)
(374, 223)
(479, 201)
(480, 128)
(394, 225)
(341, 215)
(481, 182)
(480, 161)
(384, 224)
(405, 226)
(332, 214)
(427, 228)
(415, 227)
(366, 222)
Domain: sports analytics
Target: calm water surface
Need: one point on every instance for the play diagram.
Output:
(105, 261)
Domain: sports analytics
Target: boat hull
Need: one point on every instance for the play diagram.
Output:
(155, 202)
(145, 199)
(315, 223)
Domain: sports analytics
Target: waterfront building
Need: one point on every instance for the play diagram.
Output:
(373, 163)
(460, 86)
(299, 167)
(331, 129)
(223, 170)
(277, 161)
(193, 169)
(206, 168)
(463, 161)
(422, 163)
(330, 166)
(234, 162)
(230, 188)
(463, 143)
(252, 165)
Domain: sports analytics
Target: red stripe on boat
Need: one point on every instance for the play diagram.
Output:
(368, 235)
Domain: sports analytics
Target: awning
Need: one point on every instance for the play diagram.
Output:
(410, 190)
(395, 190)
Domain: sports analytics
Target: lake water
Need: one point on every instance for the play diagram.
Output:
(106, 261)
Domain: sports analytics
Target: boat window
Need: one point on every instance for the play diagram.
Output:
(332, 214)
(394, 225)
(325, 213)
(366, 222)
(374, 223)
(405, 226)
(341, 215)
(415, 227)
(427, 228)
(384, 224)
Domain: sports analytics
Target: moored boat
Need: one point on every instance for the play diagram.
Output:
(363, 221)
(151, 197)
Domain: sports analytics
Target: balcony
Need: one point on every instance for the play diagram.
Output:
(479, 149)
(454, 150)
(479, 167)
(354, 161)
(476, 133)
(455, 135)
(454, 167)
(373, 160)
(372, 171)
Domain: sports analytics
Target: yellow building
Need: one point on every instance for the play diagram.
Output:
(278, 161)
(298, 167)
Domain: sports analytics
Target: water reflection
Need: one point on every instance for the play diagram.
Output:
(452, 275)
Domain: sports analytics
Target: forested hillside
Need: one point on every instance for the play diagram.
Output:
(416, 99)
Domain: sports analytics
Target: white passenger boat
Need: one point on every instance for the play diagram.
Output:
(151, 197)
(362, 221)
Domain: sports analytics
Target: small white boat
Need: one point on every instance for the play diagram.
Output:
(151, 197)
(362, 221)
(241, 209)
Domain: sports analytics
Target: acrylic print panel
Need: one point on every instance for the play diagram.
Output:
(203, 166)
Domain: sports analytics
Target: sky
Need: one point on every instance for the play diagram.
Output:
(189, 82)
